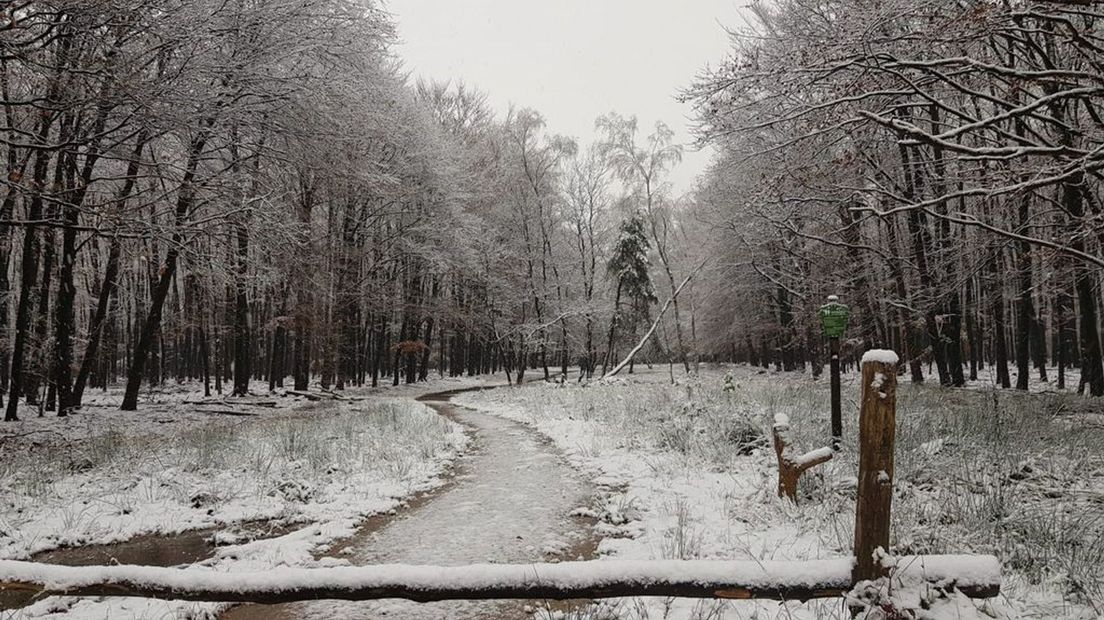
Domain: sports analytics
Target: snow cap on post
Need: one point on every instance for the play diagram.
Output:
(883, 356)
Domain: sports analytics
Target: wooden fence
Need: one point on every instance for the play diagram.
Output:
(975, 576)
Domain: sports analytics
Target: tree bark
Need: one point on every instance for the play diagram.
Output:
(28, 279)
(242, 328)
(152, 325)
(996, 294)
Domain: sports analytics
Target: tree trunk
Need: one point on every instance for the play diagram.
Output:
(110, 279)
(28, 279)
(1092, 366)
(1025, 309)
(612, 328)
(996, 295)
(910, 336)
(971, 330)
(152, 324)
(242, 331)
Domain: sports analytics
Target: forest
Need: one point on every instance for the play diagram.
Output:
(258, 276)
(935, 163)
(271, 198)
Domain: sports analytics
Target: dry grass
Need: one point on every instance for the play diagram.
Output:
(286, 461)
(1020, 476)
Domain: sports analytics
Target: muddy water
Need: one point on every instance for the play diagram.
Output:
(161, 549)
(507, 502)
(191, 546)
(147, 550)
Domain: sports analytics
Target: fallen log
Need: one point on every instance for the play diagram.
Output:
(975, 576)
(224, 401)
(659, 317)
(307, 395)
(10, 437)
(227, 412)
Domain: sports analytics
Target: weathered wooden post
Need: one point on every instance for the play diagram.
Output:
(834, 317)
(790, 465)
(877, 424)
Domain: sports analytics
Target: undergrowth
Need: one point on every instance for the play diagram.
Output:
(286, 461)
(1017, 475)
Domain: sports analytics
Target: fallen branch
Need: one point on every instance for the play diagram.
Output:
(13, 436)
(976, 576)
(308, 395)
(227, 412)
(655, 324)
(325, 395)
(225, 401)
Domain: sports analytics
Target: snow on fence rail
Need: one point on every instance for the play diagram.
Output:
(976, 576)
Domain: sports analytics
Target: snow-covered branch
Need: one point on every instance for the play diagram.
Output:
(977, 576)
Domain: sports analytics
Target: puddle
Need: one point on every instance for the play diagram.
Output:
(149, 550)
(163, 549)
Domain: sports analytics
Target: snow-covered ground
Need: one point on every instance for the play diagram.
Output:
(684, 471)
(509, 501)
(183, 463)
(687, 472)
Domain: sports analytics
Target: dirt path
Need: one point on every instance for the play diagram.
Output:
(509, 502)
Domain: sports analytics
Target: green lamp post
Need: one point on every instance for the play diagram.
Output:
(834, 317)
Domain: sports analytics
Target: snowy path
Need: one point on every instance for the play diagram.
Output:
(509, 502)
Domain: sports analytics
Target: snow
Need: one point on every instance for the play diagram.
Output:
(172, 409)
(882, 356)
(878, 382)
(664, 495)
(963, 570)
(781, 419)
(171, 468)
(567, 575)
(923, 585)
(276, 466)
(673, 486)
(933, 447)
(812, 456)
(657, 499)
(509, 501)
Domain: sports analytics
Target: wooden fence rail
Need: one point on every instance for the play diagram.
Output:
(976, 576)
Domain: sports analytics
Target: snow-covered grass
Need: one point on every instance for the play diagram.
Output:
(294, 468)
(688, 473)
(105, 476)
(1017, 475)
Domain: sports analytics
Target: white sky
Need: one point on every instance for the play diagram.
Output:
(573, 60)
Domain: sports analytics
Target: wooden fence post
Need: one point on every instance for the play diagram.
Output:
(877, 423)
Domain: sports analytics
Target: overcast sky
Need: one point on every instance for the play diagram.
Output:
(572, 60)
